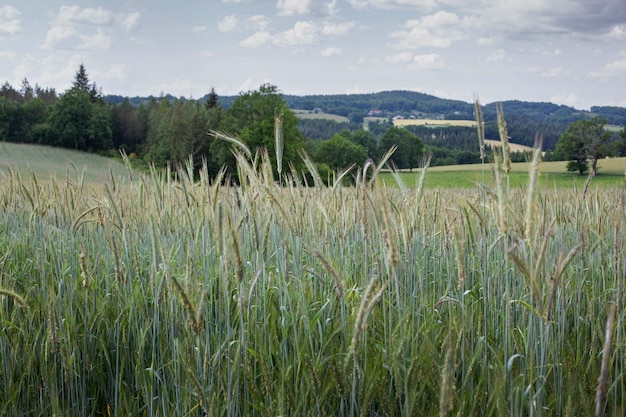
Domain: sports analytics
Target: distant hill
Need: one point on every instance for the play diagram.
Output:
(411, 102)
(525, 120)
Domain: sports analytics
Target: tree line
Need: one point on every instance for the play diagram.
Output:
(165, 130)
(162, 131)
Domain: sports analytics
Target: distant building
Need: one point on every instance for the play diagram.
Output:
(318, 110)
(398, 117)
(375, 113)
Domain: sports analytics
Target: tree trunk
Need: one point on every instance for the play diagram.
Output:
(594, 167)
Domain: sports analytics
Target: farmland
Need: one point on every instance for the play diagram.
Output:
(434, 122)
(162, 294)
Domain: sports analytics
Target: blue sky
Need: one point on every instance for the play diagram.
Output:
(565, 51)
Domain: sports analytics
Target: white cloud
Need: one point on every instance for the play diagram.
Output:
(291, 7)
(399, 58)
(337, 29)
(74, 14)
(257, 39)
(302, 7)
(566, 99)
(116, 72)
(128, 21)
(231, 22)
(57, 35)
(486, 41)
(99, 40)
(555, 72)
(10, 20)
(438, 30)
(246, 85)
(495, 56)
(390, 4)
(427, 62)
(609, 70)
(199, 29)
(71, 23)
(258, 22)
(67, 37)
(331, 52)
(228, 23)
(617, 33)
(303, 33)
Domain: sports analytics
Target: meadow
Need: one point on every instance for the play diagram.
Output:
(169, 294)
(434, 122)
(551, 175)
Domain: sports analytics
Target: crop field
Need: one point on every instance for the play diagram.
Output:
(165, 295)
(308, 114)
(515, 147)
(434, 122)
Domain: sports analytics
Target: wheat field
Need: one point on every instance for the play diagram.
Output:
(173, 294)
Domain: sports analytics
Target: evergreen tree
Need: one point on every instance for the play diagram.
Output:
(212, 100)
(81, 79)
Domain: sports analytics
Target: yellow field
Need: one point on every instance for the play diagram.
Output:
(434, 123)
(513, 146)
(615, 166)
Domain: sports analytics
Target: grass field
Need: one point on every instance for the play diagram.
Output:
(434, 122)
(551, 175)
(308, 114)
(167, 295)
(46, 162)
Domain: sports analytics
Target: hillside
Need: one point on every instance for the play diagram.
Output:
(47, 162)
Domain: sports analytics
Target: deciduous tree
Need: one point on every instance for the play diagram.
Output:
(409, 147)
(582, 142)
(251, 119)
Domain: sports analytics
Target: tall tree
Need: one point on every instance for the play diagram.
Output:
(251, 118)
(340, 152)
(212, 100)
(409, 147)
(81, 79)
(582, 142)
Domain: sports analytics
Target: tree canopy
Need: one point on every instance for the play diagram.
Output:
(582, 142)
(251, 119)
(409, 147)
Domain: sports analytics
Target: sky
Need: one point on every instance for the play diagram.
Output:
(570, 52)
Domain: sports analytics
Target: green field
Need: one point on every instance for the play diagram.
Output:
(551, 175)
(308, 114)
(47, 162)
(162, 296)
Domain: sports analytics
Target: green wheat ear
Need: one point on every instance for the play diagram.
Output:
(14, 296)
(278, 137)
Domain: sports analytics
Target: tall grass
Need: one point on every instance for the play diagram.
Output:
(169, 295)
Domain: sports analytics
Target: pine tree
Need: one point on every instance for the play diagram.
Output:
(212, 99)
(81, 79)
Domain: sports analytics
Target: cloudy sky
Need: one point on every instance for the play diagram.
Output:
(566, 51)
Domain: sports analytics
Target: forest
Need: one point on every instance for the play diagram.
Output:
(167, 130)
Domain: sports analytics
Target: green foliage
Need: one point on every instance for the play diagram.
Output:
(77, 121)
(620, 145)
(251, 119)
(340, 153)
(409, 147)
(366, 140)
(321, 129)
(188, 297)
(584, 141)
